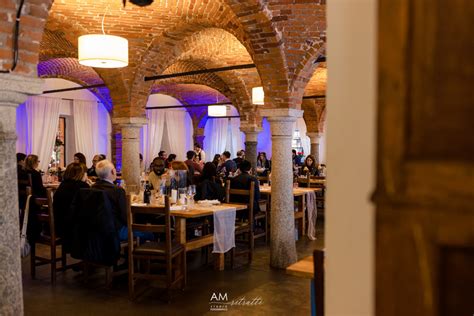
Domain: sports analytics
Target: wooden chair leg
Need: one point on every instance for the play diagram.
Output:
(108, 277)
(63, 258)
(33, 260)
(232, 258)
(131, 282)
(53, 263)
(184, 269)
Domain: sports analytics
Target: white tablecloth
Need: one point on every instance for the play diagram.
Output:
(224, 230)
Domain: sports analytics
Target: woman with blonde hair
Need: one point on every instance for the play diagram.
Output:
(31, 167)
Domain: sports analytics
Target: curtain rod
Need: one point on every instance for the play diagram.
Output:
(75, 88)
(201, 71)
(186, 106)
(223, 117)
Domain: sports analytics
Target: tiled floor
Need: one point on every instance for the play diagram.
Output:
(280, 294)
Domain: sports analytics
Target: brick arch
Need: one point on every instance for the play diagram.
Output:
(264, 50)
(307, 67)
(112, 78)
(229, 84)
(32, 23)
(314, 114)
(70, 69)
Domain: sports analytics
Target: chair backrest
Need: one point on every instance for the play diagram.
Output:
(46, 213)
(133, 226)
(231, 195)
(262, 179)
(318, 258)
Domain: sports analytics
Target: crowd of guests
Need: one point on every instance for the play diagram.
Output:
(209, 178)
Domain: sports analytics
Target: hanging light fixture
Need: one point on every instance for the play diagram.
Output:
(258, 96)
(103, 51)
(217, 110)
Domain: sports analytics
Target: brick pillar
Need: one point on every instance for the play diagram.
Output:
(14, 90)
(282, 247)
(314, 138)
(130, 130)
(199, 139)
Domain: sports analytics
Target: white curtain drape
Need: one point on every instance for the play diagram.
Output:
(180, 138)
(105, 131)
(86, 128)
(152, 135)
(236, 138)
(42, 116)
(300, 124)
(215, 140)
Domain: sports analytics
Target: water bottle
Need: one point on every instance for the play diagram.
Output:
(147, 193)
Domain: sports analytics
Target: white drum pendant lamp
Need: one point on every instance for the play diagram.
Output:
(258, 96)
(217, 110)
(103, 51)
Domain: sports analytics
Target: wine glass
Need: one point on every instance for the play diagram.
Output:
(191, 193)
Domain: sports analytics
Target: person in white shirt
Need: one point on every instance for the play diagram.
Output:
(200, 154)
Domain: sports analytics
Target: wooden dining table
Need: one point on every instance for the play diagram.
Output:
(199, 242)
(300, 196)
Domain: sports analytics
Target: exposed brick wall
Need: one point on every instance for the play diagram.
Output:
(282, 37)
(33, 18)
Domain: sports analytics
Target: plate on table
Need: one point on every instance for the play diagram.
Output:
(208, 202)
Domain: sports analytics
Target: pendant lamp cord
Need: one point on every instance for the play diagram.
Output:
(103, 18)
(15, 39)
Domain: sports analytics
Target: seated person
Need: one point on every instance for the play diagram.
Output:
(210, 186)
(23, 179)
(74, 179)
(107, 175)
(31, 166)
(242, 182)
(180, 175)
(240, 158)
(263, 164)
(157, 170)
(91, 171)
(171, 158)
(228, 166)
(310, 167)
(194, 167)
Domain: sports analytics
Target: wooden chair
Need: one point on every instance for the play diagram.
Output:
(318, 257)
(46, 217)
(165, 251)
(262, 179)
(248, 228)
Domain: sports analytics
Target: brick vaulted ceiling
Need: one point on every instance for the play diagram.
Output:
(282, 37)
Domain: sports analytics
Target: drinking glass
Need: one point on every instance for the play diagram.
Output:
(182, 196)
(191, 194)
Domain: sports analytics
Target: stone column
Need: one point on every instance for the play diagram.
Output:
(283, 247)
(314, 138)
(251, 132)
(14, 90)
(130, 127)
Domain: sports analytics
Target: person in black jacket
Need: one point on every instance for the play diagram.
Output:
(243, 182)
(37, 188)
(210, 186)
(74, 179)
(91, 171)
(23, 180)
(107, 175)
